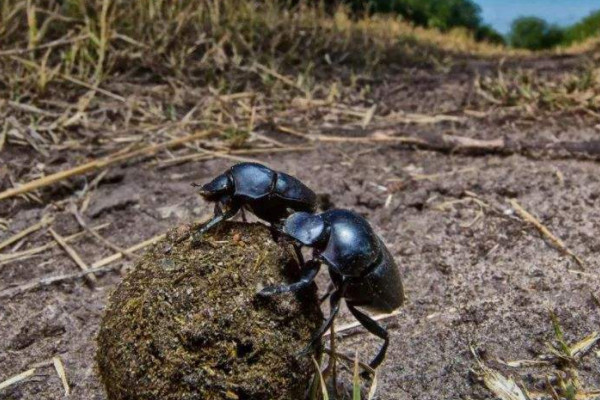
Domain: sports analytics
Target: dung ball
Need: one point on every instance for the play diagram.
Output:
(186, 322)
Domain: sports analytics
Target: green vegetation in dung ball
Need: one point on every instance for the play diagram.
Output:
(534, 33)
(186, 322)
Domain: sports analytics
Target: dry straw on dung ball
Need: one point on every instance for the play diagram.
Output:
(186, 322)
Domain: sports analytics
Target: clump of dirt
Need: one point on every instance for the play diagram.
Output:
(186, 322)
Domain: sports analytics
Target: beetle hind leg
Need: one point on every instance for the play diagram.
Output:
(334, 302)
(327, 293)
(373, 327)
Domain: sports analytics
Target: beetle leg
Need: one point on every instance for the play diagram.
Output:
(327, 293)
(298, 251)
(218, 210)
(244, 219)
(216, 220)
(334, 305)
(275, 232)
(310, 272)
(372, 326)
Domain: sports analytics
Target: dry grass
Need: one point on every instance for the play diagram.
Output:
(590, 45)
(45, 41)
(151, 62)
(549, 376)
(131, 73)
(189, 40)
(532, 91)
(117, 76)
(56, 57)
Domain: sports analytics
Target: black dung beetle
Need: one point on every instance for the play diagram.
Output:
(270, 195)
(361, 268)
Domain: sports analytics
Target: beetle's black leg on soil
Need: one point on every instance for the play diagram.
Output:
(372, 326)
(327, 293)
(244, 219)
(334, 303)
(309, 273)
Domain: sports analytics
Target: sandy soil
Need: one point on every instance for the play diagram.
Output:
(475, 274)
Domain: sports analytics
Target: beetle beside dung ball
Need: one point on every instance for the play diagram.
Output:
(361, 267)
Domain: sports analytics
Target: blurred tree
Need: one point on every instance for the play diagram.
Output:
(587, 27)
(489, 34)
(446, 14)
(441, 14)
(534, 33)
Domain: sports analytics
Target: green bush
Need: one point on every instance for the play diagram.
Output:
(526, 32)
(489, 34)
(441, 14)
(534, 33)
(587, 27)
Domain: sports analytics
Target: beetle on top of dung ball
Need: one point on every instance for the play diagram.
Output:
(362, 270)
(268, 194)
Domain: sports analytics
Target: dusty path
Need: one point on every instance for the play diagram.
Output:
(475, 273)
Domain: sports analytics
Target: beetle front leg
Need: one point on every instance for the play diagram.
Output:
(372, 326)
(275, 232)
(219, 217)
(310, 272)
(299, 254)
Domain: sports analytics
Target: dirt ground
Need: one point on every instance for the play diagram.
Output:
(475, 273)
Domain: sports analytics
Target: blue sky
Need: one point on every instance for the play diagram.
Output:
(500, 13)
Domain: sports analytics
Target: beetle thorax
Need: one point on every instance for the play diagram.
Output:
(352, 247)
(218, 188)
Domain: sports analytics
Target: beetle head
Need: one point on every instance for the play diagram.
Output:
(216, 189)
(304, 227)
